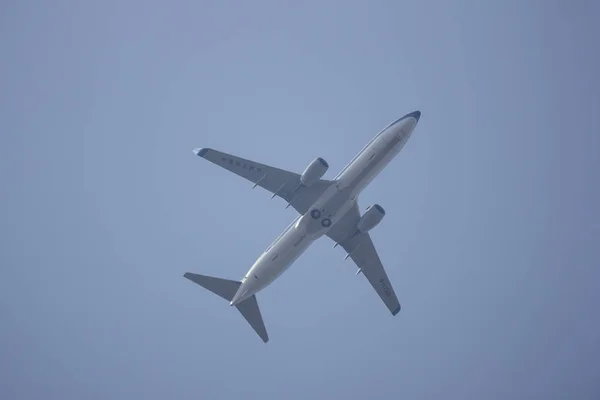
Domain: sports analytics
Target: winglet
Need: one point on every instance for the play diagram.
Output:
(396, 311)
(200, 151)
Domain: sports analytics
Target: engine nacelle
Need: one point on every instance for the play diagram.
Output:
(371, 218)
(315, 170)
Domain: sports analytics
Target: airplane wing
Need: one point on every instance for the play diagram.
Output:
(361, 249)
(282, 183)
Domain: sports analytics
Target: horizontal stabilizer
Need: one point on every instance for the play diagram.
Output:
(249, 310)
(226, 289)
(222, 287)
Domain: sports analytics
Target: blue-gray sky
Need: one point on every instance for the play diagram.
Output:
(492, 226)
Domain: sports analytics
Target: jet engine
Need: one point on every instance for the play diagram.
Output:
(372, 216)
(315, 170)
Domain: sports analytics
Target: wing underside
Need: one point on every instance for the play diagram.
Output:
(361, 249)
(279, 182)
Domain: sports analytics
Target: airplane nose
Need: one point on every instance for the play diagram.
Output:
(415, 114)
(409, 122)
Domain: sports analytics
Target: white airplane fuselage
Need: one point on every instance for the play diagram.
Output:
(333, 204)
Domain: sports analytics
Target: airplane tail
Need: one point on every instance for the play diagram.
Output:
(227, 289)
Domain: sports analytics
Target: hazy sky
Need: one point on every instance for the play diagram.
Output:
(491, 236)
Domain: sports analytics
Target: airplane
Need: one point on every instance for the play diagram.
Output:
(325, 208)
